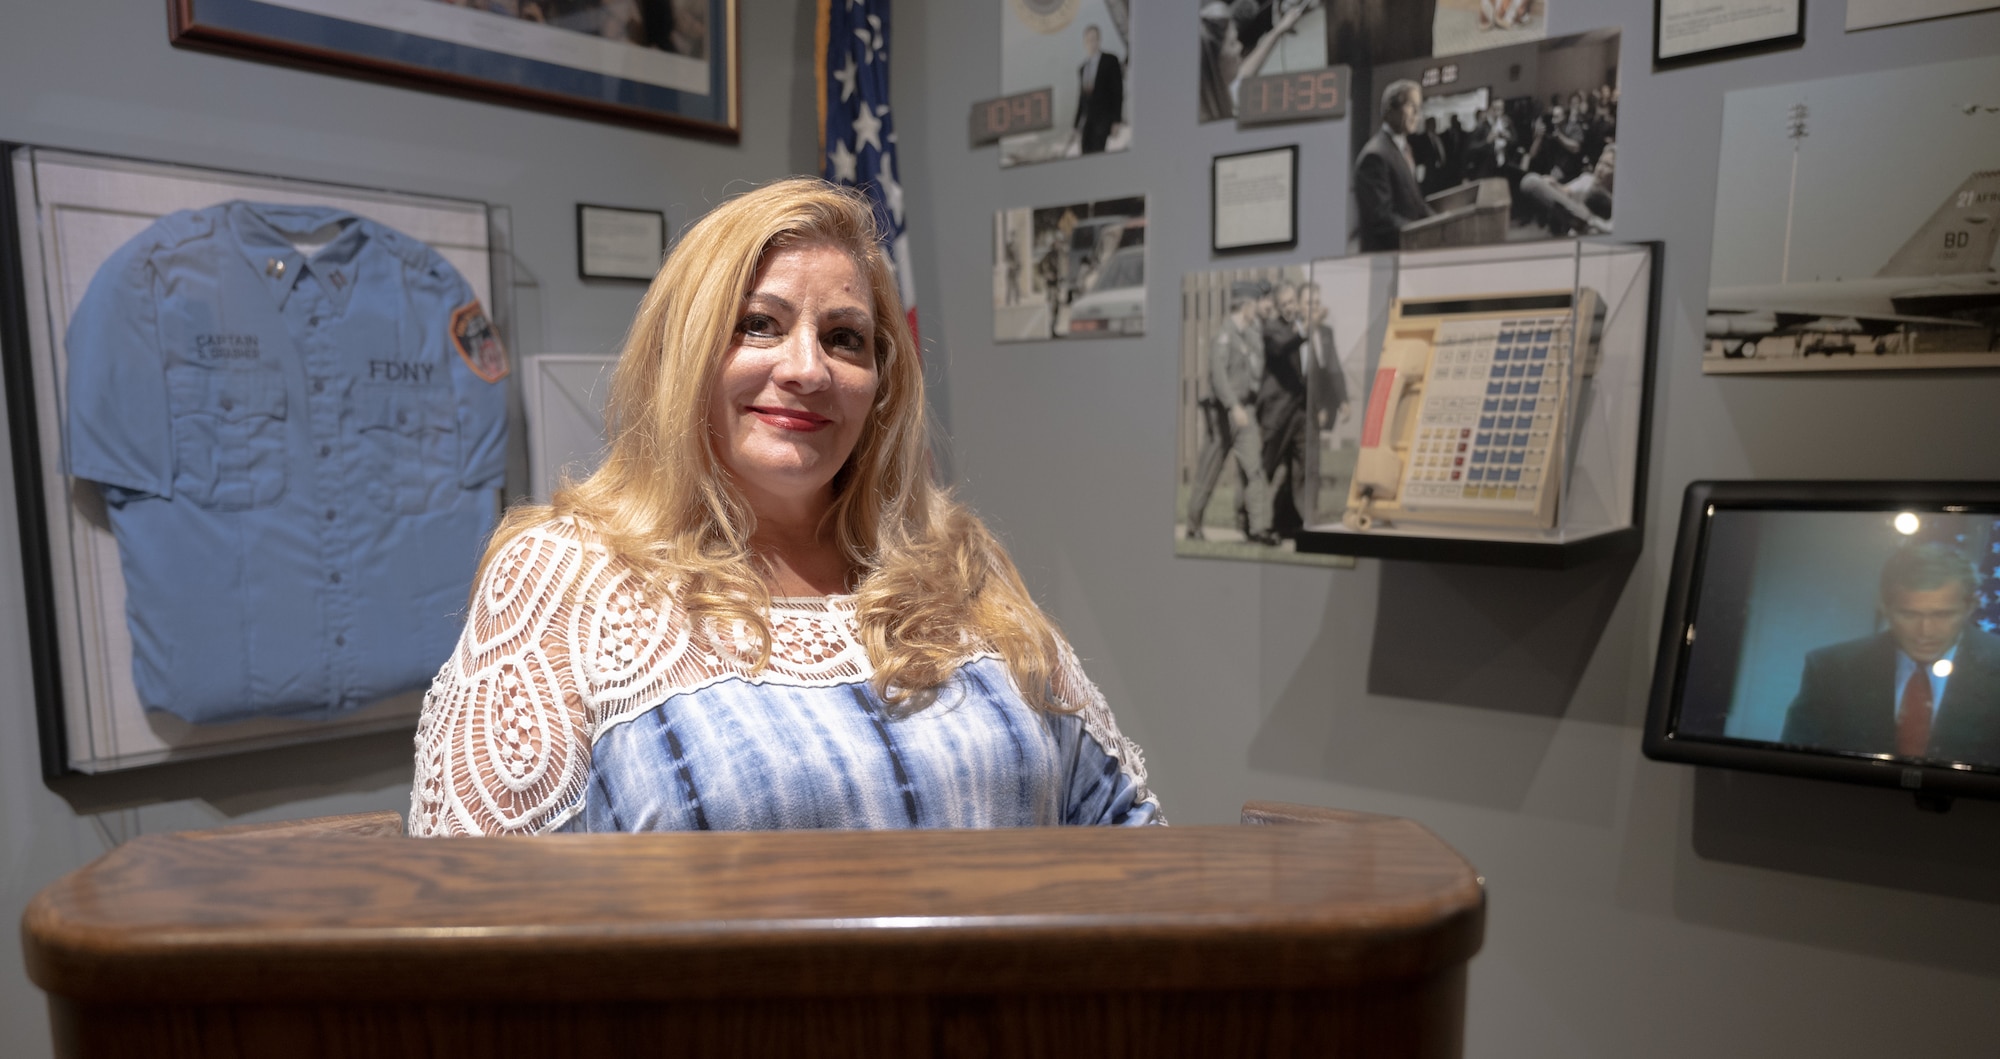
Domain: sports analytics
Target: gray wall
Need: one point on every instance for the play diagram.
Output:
(98, 75)
(1638, 909)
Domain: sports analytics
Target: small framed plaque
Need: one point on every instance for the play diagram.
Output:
(616, 243)
(1691, 31)
(1254, 200)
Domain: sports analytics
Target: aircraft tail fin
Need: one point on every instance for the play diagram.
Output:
(1959, 237)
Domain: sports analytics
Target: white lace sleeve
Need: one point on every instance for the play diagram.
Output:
(1074, 690)
(503, 743)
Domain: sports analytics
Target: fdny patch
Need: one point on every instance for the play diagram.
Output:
(477, 343)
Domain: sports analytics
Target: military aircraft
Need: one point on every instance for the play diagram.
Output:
(1940, 285)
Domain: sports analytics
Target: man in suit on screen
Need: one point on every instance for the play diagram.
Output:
(1926, 686)
(1386, 194)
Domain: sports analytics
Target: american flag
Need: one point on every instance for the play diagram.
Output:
(858, 136)
(1978, 539)
(1987, 616)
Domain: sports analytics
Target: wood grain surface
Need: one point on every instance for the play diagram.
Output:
(1200, 940)
(642, 916)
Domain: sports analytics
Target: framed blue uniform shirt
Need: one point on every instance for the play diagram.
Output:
(284, 406)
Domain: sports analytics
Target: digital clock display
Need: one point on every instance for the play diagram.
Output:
(1021, 112)
(1307, 95)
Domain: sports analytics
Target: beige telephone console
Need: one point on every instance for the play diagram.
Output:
(1473, 406)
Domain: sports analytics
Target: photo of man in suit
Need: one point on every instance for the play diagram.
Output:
(1926, 686)
(1386, 193)
(1100, 101)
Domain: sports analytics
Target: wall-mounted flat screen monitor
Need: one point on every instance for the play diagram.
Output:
(1841, 630)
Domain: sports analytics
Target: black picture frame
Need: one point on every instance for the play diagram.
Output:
(1795, 37)
(1291, 237)
(535, 68)
(1933, 784)
(609, 271)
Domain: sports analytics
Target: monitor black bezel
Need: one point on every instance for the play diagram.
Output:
(1662, 741)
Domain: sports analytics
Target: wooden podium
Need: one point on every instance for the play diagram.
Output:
(1346, 938)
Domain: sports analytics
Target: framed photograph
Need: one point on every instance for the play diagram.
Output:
(1258, 42)
(1689, 31)
(1507, 145)
(617, 243)
(1254, 200)
(1854, 224)
(130, 547)
(1868, 14)
(1267, 424)
(1071, 271)
(1082, 51)
(665, 63)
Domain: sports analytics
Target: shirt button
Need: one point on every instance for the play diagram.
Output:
(227, 404)
(319, 386)
(340, 641)
(334, 577)
(313, 321)
(326, 450)
(331, 514)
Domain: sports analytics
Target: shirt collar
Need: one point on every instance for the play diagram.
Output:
(1905, 665)
(261, 231)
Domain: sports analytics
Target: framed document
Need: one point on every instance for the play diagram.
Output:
(661, 64)
(1690, 31)
(616, 243)
(1254, 200)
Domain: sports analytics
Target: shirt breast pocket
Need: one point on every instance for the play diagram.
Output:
(407, 437)
(229, 436)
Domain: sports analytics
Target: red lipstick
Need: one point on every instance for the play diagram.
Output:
(789, 418)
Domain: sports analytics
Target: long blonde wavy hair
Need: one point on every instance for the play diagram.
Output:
(933, 583)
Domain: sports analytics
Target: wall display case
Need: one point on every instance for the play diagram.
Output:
(564, 394)
(670, 63)
(259, 410)
(1502, 402)
(1836, 630)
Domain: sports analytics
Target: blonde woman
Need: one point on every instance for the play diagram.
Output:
(761, 612)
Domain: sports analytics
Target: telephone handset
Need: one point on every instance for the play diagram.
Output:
(1378, 471)
(1471, 411)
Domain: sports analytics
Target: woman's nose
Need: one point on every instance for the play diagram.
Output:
(801, 362)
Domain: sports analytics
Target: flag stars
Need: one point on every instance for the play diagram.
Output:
(843, 162)
(867, 128)
(892, 192)
(872, 41)
(845, 75)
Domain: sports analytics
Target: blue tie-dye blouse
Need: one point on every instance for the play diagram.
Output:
(577, 702)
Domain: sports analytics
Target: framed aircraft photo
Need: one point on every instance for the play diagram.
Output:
(670, 63)
(1855, 224)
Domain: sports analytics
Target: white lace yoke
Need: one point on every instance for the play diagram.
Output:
(562, 641)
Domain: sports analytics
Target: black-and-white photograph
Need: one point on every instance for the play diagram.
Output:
(1072, 271)
(1082, 50)
(1853, 223)
(1253, 38)
(1267, 418)
(1504, 145)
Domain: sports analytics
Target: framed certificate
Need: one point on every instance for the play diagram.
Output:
(1691, 31)
(615, 243)
(1254, 200)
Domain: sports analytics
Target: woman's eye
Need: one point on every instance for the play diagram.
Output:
(846, 338)
(757, 324)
